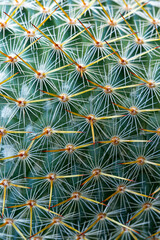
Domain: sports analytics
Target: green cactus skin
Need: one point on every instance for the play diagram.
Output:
(79, 119)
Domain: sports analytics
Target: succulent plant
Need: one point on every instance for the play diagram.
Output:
(79, 119)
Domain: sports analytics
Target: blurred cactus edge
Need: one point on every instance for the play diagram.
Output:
(79, 119)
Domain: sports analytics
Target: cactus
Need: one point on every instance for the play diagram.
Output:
(79, 119)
